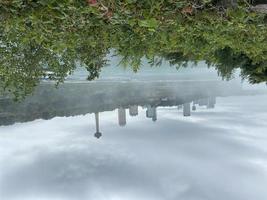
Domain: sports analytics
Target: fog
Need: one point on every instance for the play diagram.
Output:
(147, 72)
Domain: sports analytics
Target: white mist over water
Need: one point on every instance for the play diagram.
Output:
(114, 71)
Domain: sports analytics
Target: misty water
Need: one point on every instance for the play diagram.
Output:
(159, 134)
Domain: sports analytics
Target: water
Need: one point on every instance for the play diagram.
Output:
(154, 100)
(187, 138)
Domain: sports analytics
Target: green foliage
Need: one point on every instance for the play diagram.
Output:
(37, 36)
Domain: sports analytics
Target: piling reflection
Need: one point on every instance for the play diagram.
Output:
(151, 110)
(97, 133)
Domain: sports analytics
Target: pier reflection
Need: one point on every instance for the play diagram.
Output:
(151, 110)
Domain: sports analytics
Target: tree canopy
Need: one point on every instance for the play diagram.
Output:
(37, 36)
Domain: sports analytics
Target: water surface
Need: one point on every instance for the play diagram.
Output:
(191, 139)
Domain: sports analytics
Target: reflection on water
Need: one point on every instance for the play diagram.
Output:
(151, 111)
(212, 154)
(154, 140)
(161, 134)
(75, 98)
